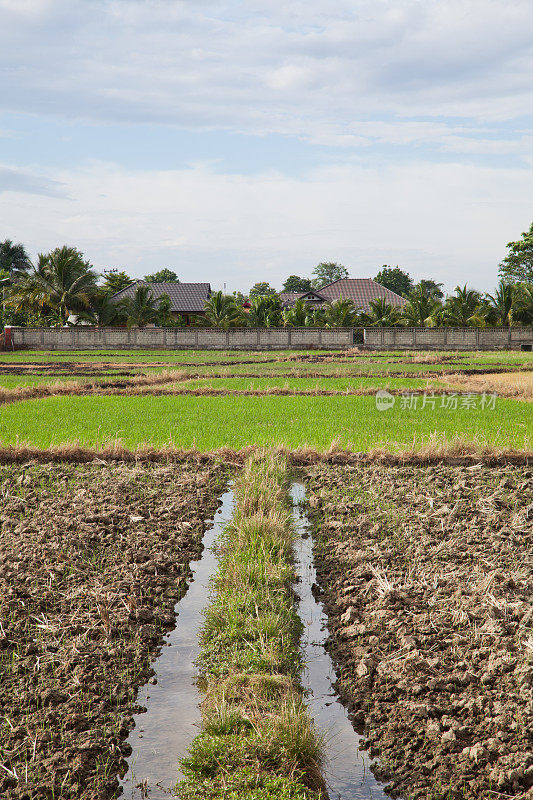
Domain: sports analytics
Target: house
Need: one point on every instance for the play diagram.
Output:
(187, 299)
(361, 291)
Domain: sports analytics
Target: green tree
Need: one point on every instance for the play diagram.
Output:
(164, 309)
(262, 289)
(102, 311)
(327, 272)
(163, 276)
(221, 311)
(296, 284)
(240, 298)
(422, 309)
(382, 314)
(265, 311)
(14, 259)
(114, 281)
(139, 310)
(464, 308)
(63, 281)
(395, 279)
(524, 303)
(502, 303)
(297, 316)
(517, 266)
(432, 288)
(340, 314)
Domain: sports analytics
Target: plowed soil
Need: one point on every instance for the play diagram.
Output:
(427, 576)
(92, 560)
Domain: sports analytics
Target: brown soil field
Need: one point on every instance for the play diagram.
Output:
(427, 577)
(93, 558)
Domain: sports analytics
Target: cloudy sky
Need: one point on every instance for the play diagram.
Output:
(236, 141)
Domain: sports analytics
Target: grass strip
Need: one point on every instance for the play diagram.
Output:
(257, 741)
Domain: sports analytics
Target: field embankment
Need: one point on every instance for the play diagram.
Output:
(257, 740)
(426, 573)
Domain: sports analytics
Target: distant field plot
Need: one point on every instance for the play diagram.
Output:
(141, 397)
(233, 421)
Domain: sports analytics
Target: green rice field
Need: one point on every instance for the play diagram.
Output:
(211, 422)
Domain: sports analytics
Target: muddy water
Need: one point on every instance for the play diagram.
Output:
(347, 768)
(164, 733)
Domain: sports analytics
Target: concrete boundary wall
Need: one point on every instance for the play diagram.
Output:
(91, 338)
(448, 338)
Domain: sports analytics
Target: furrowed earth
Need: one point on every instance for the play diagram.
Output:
(427, 576)
(92, 561)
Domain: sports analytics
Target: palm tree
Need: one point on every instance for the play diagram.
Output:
(62, 280)
(502, 303)
(422, 309)
(14, 259)
(102, 312)
(265, 312)
(524, 312)
(382, 314)
(464, 308)
(139, 310)
(222, 311)
(296, 316)
(340, 314)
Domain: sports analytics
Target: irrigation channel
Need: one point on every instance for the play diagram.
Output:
(165, 731)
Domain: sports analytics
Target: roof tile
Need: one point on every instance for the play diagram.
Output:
(184, 297)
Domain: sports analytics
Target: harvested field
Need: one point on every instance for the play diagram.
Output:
(426, 573)
(92, 560)
(518, 384)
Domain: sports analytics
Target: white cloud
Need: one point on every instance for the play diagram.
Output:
(299, 68)
(450, 222)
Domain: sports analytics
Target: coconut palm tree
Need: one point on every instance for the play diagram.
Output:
(298, 315)
(382, 314)
(139, 310)
(221, 311)
(502, 303)
(524, 311)
(464, 308)
(265, 312)
(340, 314)
(14, 259)
(422, 309)
(102, 312)
(62, 281)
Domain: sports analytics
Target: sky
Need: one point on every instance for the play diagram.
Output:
(235, 142)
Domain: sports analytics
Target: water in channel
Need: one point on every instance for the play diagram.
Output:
(163, 734)
(347, 774)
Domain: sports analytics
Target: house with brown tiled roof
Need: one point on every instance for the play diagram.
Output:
(361, 291)
(186, 299)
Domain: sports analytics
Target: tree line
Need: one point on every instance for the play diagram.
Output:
(63, 283)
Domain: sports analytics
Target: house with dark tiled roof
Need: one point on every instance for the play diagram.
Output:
(187, 299)
(361, 291)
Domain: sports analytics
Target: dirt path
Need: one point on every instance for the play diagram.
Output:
(427, 575)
